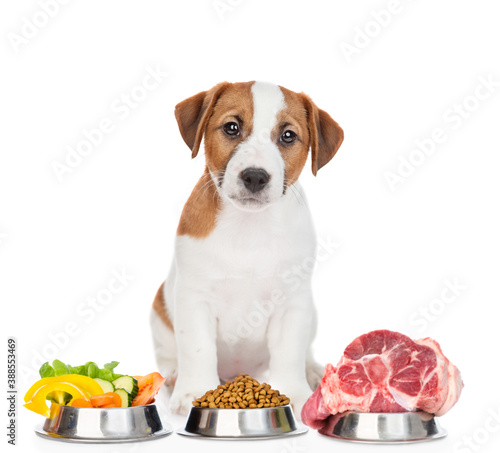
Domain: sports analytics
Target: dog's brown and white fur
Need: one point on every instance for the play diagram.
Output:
(227, 306)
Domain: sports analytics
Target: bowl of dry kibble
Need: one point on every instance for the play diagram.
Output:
(242, 409)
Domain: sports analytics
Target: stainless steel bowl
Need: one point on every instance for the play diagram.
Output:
(383, 428)
(94, 425)
(262, 423)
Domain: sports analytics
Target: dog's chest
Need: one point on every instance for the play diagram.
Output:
(243, 264)
(248, 249)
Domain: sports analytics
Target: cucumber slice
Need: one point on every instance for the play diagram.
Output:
(105, 385)
(125, 396)
(128, 383)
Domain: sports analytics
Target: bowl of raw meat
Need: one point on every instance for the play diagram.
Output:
(386, 388)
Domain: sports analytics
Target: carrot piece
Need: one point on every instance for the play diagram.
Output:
(106, 399)
(80, 402)
(100, 400)
(117, 401)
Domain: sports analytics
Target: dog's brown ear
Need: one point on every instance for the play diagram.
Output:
(193, 113)
(326, 135)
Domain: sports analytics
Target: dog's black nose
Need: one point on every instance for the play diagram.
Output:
(255, 179)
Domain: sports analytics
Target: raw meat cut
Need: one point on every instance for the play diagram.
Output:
(384, 371)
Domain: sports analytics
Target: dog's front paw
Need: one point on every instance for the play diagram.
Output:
(181, 400)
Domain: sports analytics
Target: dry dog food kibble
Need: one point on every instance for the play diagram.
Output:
(242, 393)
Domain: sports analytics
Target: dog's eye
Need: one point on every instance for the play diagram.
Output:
(232, 129)
(288, 137)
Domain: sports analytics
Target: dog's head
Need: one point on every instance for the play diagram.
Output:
(257, 137)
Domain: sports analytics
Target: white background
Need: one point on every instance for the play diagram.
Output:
(395, 248)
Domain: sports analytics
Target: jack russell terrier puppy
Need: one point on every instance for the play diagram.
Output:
(227, 307)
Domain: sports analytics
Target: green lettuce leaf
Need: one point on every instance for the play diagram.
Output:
(60, 368)
(90, 369)
(46, 370)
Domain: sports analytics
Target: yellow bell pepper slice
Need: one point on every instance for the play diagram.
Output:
(84, 383)
(38, 402)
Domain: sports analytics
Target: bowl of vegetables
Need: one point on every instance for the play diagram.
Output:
(91, 404)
